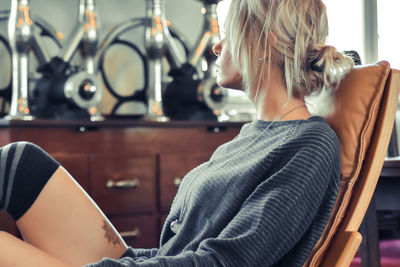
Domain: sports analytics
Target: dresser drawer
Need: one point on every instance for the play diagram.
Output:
(173, 167)
(138, 231)
(124, 185)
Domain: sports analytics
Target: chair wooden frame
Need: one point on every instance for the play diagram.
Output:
(342, 247)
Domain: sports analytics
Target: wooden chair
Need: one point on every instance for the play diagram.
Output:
(366, 104)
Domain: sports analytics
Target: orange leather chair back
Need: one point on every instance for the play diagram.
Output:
(366, 104)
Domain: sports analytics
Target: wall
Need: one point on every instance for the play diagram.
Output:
(184, 14)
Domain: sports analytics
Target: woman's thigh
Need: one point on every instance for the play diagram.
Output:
(66, 223)
(17, 253)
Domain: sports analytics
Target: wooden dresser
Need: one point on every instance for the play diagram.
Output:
(130, 168)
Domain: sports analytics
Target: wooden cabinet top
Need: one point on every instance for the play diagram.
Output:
(127, 137)
(118, 123)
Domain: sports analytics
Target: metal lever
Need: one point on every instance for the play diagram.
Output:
(158, 41)
(202, 57)
(123, 184)
(20, 33)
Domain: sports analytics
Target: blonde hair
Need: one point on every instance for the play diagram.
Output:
(289, 34)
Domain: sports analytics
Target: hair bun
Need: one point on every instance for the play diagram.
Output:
(328, 66)
(315, 67)
(321, 56)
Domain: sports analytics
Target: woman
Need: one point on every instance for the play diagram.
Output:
(280, 174)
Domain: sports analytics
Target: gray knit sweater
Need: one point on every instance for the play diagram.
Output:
(263, 199)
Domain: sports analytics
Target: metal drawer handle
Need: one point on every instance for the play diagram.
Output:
(135, 233)
(177, 181)
(123, 184)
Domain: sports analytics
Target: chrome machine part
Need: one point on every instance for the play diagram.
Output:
(155, 48)
(115, 32)
(203, 57)
(158, 42)
(212, 94)
(46, 29)
(86, 33)
(204, 60)
(86, 38)
(88, 16)
(82, 89)
(20, 34)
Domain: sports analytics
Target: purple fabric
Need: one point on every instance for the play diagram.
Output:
(389, 252)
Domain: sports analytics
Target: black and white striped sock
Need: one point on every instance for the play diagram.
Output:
(24, 170)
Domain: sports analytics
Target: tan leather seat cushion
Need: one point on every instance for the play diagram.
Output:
(357, 102)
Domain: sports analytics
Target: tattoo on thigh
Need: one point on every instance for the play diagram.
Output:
(110, 234)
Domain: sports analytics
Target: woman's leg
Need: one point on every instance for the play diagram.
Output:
(66, 223)
(53, 213)
(17, 253)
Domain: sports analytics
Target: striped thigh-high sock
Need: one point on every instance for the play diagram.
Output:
(24, 170)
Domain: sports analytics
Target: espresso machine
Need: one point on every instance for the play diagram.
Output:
(68, 91)
(64, 91)
(194, 93)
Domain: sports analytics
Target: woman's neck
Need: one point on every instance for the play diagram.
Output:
(273, 103)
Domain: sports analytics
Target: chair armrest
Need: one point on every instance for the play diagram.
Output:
(342, 252)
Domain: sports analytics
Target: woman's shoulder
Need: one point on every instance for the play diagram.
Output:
(318, 128)
(311, 143)
(313, 133)
(314, 127)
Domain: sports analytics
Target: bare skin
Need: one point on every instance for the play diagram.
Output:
(63, 225)
(271, 102)
(15, 252)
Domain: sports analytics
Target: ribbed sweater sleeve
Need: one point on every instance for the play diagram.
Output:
(274, 217)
